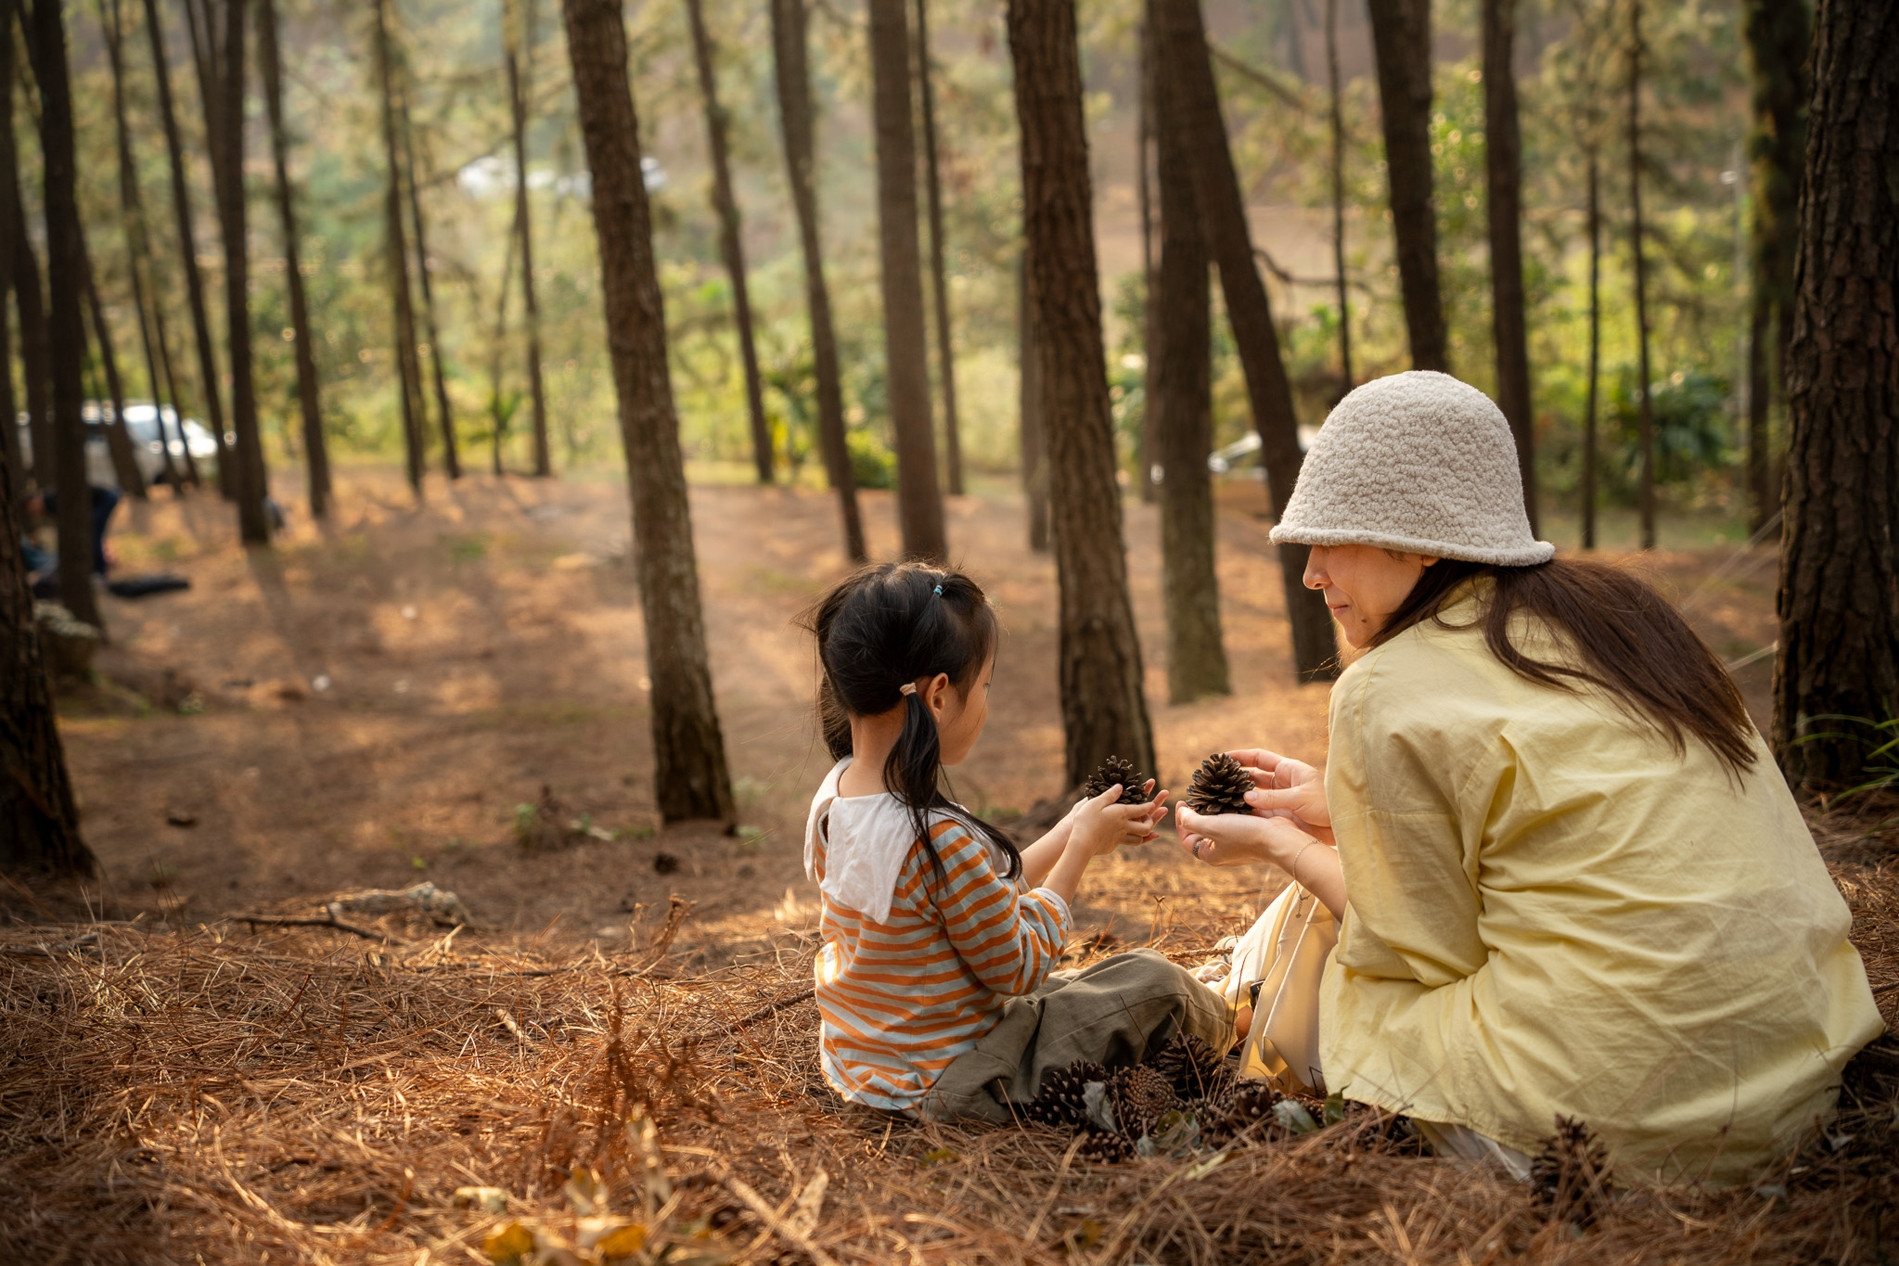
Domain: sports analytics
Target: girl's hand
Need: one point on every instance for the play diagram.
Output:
(1287, 788)
(1239, 839)
(1102, 824)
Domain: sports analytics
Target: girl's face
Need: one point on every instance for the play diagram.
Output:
(1363, 584)
(959, 717)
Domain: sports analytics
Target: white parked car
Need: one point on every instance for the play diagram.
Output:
(141, 426)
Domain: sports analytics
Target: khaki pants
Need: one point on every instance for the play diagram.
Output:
(1116, 1012)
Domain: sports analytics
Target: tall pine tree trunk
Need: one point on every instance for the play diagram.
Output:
(315, 447)
(1401, 41)
(1839, 571)
(1030, 413)
(1150, 279)
(1503, 168)
(118, 442)
(451, 451)
(520, 57)
(1180, 400)
(10, 447)
(939, 274)
(789, 58)
(731, 241)
(1346, 380)
(39, 820)
(1104, 712)
(1593, 217)
(1778, 41)
(188, 252)
(691, 780)
(1645, 407)
(906, 356)
(24, 269)
(65, 319)
(408, 371)
(1187, 70)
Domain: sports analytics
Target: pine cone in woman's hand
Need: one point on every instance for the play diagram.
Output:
(1115, 770)
(1219, 786)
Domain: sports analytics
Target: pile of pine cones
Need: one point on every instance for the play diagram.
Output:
(1184, 1096)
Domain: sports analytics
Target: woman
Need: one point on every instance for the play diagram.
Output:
(1570, 879)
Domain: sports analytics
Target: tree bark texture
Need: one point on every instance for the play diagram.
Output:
(1180, 401)
(1645, 407)
(1401, 43)
(11, 450)
(24, 269)
(1149, 456)
(692, 779)
(1839, 572)
(520, 57)
(906, 353)
(1187, 71)
(939, 274)
(731, 241)
(1591, 404)
(315, 446)
(1503, 169)
(451, 451)
(188, 250)
(1778, 41)
(39, 820)
(1346, 379)
(65, 319)
(408, 368)
(118, 443)
(791, 62)
(1030, 413)
(1104, 712)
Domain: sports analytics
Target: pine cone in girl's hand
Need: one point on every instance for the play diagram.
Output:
(1219, 786)
(1115, 770)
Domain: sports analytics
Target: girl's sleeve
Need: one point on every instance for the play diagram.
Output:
(1009, 939)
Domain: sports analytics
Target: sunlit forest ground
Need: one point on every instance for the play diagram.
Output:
(382, 702)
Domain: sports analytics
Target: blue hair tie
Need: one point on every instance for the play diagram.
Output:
(939, 591)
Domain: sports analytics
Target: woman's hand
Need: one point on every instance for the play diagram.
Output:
(1287, 788)
(1239, 839)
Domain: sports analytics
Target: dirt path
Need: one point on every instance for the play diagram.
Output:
(368, 706)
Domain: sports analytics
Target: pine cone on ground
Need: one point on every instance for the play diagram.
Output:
(1115, 770)
(1570, 1176)
(1249, 1105)
(1059, 1100)
(1192, 1068)
(1105, 1148)
(1219, 786)
(1140, 1095)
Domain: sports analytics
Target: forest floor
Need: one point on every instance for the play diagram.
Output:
(386, 701)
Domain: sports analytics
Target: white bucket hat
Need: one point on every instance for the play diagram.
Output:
(1418, 462)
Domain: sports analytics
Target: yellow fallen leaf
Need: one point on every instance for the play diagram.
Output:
(487, 1199)
(508, 1245)
(624, 1242)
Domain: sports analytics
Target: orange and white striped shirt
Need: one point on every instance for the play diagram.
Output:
(917, 962)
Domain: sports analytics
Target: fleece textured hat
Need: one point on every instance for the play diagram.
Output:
(1418, 462)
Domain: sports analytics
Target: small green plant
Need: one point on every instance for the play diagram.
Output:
(873, 465)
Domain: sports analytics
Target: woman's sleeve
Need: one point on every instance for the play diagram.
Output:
(1010, 940)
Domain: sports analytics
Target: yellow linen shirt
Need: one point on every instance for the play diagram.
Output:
(1550, 910)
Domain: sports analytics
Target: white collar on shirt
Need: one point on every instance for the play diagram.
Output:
(867, 840)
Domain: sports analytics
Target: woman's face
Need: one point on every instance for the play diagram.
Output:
(1363, 584)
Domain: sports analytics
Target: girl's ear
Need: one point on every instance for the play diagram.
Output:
(936, 693)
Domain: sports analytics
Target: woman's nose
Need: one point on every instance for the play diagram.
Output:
(1315, 577)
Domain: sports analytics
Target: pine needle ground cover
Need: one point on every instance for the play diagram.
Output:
(213, 1094)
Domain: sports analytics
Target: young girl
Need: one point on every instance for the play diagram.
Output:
(935, 982)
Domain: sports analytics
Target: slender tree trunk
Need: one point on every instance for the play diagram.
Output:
(1645, 406)
(118, 443)
(1187, 70)
(1104, 712)
(315, 447)
(1347, 381)
(1778, 42)
(906, 355)
(36, 353)
(1839, 570)
(65, 320)
(188, 251)
(1401, 40)
(692, 779)
(409, 372)
(794, 113)
(1503, 166)
(451, 452)
(10, 447)
(498, 410)
(39, 819)
(731, 241)
(1031, 415)
(520, 56)
(1180, 401)
(1591, 405)
(1150, 278)
(933, 182)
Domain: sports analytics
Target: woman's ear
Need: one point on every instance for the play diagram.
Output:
(936, 693)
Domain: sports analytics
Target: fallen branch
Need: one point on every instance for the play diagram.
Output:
(329, 920)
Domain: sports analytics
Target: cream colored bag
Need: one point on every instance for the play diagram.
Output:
(1285, 951)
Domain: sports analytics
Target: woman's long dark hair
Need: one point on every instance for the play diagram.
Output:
(881, 629)
(1631, 643)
